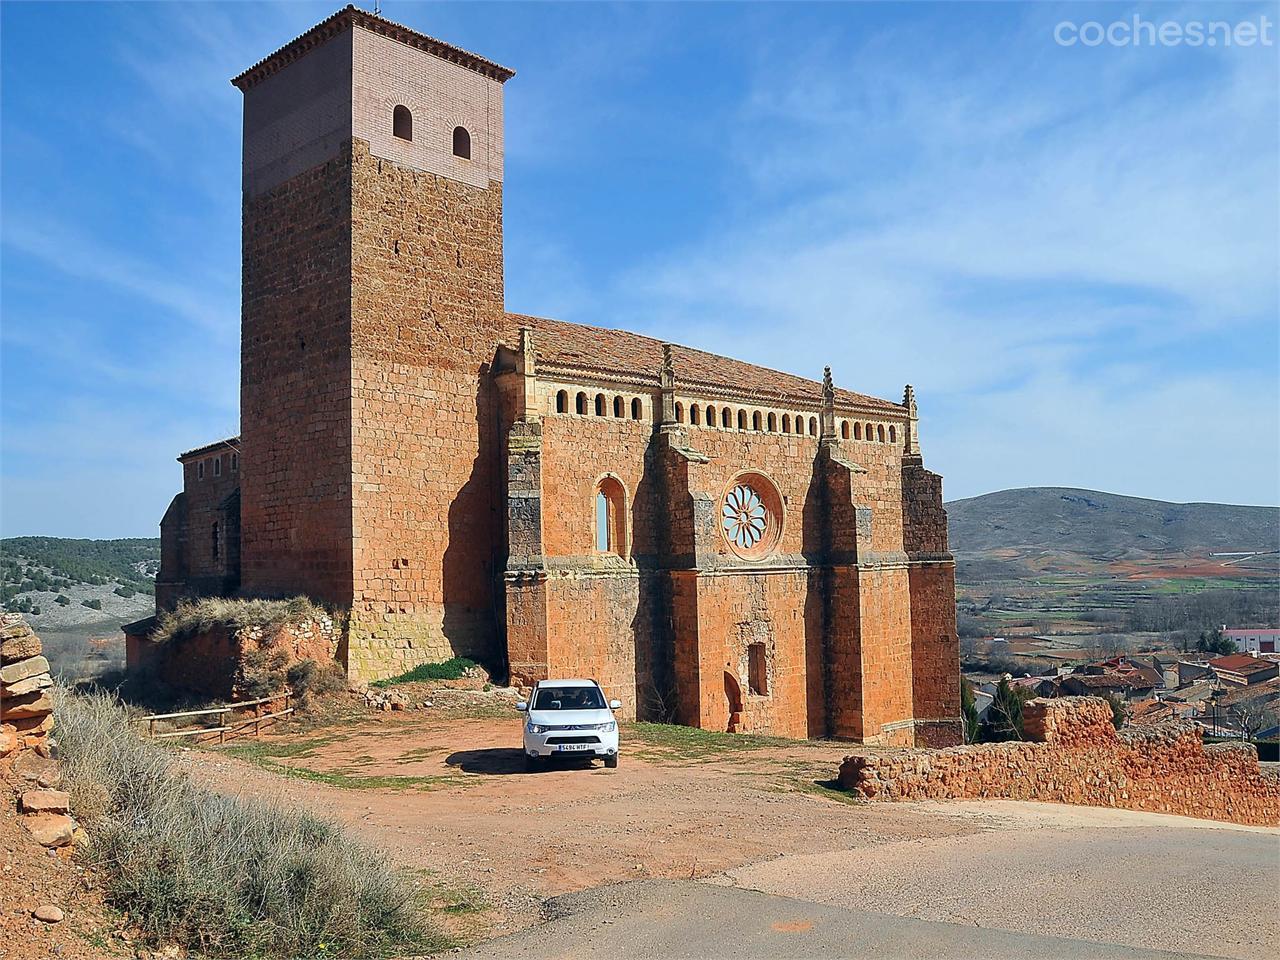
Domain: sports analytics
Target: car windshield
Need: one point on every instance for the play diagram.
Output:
(568, 698)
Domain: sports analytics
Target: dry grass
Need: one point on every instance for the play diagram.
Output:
(196, 616)
(225, 876)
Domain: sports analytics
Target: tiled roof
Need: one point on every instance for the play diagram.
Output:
(1098, 680)
(350, 16)
(1240, 663)
(576, 346)
(232, 443)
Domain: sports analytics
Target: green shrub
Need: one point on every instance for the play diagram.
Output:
(448, 670)
(124, 591)
(262, 672)
(309, 679)
(225, 876)
(92, 604)
(61, 600)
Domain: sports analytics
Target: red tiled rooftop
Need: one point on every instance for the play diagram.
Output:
(1239, 663)
(578, 346)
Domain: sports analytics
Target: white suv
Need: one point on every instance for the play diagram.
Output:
(566, 718)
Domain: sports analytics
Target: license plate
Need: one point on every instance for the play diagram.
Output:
(565, 747)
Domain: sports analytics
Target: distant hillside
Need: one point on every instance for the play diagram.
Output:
(1103, 526)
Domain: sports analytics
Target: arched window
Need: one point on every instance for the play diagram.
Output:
(581, 404)
(757, 421)
(844, 429)
(611, 517)
(893, 434)
(786, 423)
(711, 415)
(757, 670)
(235, 462)
(617, 407)
(694, 415)
(562, 401)
(217, 465)
(216, 544)
(637, 408)
(857, 431)
(600, 407)
(813, 426)
(799, 424)
(726, 417)
(871, 433)
(880, 433)
(742, 419)
(461, 143)
(402, 123)
(679, 413)
(773, 423)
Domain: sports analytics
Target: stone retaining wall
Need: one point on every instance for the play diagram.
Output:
(212, 663)
(1074, 755)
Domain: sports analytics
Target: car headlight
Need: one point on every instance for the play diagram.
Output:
(607, 727)
(537, 728)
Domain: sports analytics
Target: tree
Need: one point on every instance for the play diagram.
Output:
(1005, 713)
(1212, 641)
(969, 711)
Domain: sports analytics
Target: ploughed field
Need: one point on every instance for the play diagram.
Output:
(446, 794)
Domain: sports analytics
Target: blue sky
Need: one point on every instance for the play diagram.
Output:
(1071, 252)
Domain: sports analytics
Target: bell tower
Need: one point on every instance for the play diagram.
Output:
(372, 304)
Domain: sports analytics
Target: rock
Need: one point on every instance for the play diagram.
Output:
(33, 726)
(50, 829)
(8, 739)
(35, 704)
(48, 913)
(20, 646)
(11, 673)
(45, 801)
(37, 769)
(30, 685)
(79, 837)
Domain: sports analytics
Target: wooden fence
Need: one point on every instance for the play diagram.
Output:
(223, 727)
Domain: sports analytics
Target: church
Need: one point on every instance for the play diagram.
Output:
(718, 544)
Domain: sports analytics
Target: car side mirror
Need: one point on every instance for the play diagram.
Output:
(615, 704)
(522, 706)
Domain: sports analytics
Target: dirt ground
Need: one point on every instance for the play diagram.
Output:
(448, 796)
(30, 877)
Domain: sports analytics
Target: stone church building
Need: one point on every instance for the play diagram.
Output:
(717, 543)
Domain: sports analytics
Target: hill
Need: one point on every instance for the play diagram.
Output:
(1035, 521)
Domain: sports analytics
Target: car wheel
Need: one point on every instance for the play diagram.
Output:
(611, 762)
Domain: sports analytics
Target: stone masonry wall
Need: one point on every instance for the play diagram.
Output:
(427, 317)
(1074, 755)
(27, 752)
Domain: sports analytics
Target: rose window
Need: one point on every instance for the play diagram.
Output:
(744, 517)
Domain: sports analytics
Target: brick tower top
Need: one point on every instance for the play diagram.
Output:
(416, 100)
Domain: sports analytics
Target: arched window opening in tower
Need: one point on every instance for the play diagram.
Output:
(402, 123)
(726, 418)
(610, 522)
(742, 419)
(893, 434)
(871, 433)
(773, 423)
(679, 413)
(562, 401)
(600, 407)
(857, 431)
(461, 143)
(813, 426)
(617, 407)
(582, 404)
(786, 423)
(637, 408)
(757, 421)
(880, 433)
(694, 415)
(844, 429)
(711, 415)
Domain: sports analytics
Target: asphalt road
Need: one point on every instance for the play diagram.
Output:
(1036, 881)
(688, 920)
